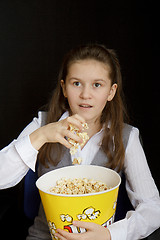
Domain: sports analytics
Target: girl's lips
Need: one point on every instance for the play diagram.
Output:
(85, 106)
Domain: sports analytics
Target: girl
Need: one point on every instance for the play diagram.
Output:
(89, 90)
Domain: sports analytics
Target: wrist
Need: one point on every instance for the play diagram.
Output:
(37, 138)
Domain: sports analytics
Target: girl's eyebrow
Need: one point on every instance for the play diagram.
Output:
(95, 80)
(75, 78)
(100, 80)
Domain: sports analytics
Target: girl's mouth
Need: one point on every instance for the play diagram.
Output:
(85, 106)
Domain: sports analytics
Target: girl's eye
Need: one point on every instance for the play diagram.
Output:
(96, 85)
(77, 84)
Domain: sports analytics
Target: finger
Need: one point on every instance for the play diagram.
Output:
(64, 142)
(81, 119)
(76, 121)
(64, 235)
(73, 136)
(86, 225)
(60, 236)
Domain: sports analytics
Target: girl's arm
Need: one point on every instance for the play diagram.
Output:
(143, 195)
(19, 156)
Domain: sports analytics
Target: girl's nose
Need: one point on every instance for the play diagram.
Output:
(86, 92)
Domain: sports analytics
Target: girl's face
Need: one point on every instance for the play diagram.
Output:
(88, 88)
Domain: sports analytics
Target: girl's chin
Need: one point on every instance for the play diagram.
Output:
(89, 118)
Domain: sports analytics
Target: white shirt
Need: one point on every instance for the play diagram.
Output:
(19, 156)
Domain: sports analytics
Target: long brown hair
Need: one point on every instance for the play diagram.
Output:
(113, 114)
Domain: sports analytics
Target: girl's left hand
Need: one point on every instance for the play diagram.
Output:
(94, 232)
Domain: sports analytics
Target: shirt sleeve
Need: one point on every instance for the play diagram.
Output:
(19, 156)
(142, 193)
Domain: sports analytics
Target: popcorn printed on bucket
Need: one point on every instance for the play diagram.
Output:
(78, 186)
(52, 229)
(89, 213)
(82, 135)
(66, 218)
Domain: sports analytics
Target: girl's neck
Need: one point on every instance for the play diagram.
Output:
(93, 128)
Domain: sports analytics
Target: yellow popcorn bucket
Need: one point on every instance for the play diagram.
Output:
(62, 209)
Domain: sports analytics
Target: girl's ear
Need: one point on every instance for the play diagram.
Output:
(112, 92)
(63, 88)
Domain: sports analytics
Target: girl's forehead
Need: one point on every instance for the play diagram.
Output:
(88, 66)
(89, 61)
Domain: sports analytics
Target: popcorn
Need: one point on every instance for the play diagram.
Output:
(85, 126)
(77, 160)
(82, 135)
(78, 186)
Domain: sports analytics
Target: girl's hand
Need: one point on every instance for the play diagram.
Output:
(94, 232)
(56, 132)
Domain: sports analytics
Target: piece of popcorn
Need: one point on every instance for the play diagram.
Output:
(77, 160)
(85, 126)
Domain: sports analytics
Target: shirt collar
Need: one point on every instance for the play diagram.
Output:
(64, 115)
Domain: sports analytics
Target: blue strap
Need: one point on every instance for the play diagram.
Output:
(31, 195)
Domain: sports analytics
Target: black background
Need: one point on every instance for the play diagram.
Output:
(34, 36)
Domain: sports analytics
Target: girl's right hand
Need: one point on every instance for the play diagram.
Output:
(57, 132)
